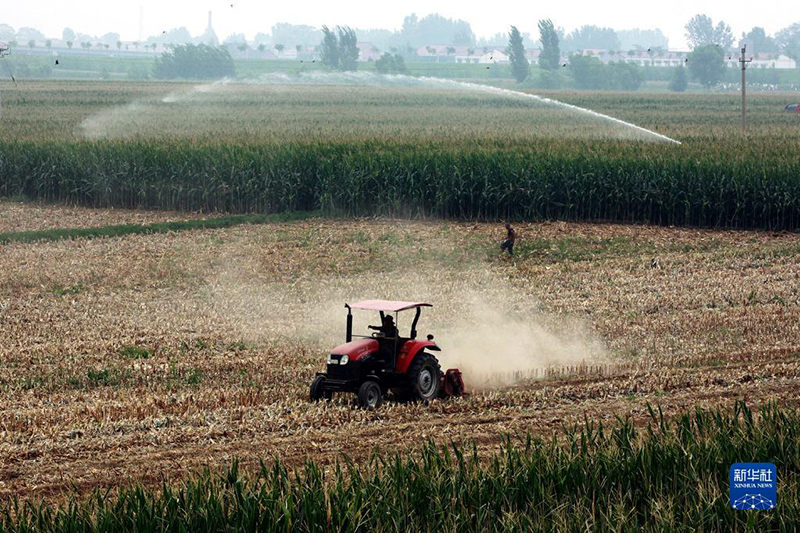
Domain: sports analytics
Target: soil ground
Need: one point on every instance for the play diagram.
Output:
(147, 357)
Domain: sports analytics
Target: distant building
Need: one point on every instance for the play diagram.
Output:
(368, 52)
(209, 36)
(532, 55)
(652, 58)
(494, 56)
(764, 61)
(443, 53)
(669, 58)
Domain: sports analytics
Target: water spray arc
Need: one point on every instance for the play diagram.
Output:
(118, 121)
(401, 80)
(517, 94)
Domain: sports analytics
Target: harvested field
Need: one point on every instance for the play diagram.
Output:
(146, 357)
(17, 216)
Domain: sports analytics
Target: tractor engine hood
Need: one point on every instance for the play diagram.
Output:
(355, 350)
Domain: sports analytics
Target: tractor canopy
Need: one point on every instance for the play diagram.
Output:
(384, 306)
(390, 306)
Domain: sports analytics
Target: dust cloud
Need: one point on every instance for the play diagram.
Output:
(491, 329)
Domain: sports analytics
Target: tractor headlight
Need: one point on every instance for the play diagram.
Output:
(344, 360)
(331, 361)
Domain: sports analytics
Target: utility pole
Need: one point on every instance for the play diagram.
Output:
(744, 61)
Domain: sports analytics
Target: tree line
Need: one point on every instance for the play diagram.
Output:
(710, 44)
(338, 48)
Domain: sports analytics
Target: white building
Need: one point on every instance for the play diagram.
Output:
(763, 61)
(666, 58)
(494, 56)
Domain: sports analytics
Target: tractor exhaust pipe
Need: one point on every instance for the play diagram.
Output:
(349, 331)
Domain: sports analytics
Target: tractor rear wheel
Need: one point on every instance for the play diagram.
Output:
(424, 378)
(370, 395)
(318, 391)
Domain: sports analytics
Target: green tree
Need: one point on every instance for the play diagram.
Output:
(329, 52)
(550, 55)
(588, 37)
(400, 64)
(194, 62)
(788, 39)
(69, 44)
(110, 39)
(7, 32)
(679, 81)
(435, 28)
(348, 49)
(390, 64)
(624, 76)
(642, 39)
(758, 42)
(700, 31)
(280, 48)
(588, 72)
(27, 34)
(520, 67)
(550, 79)
(31, 44)
(292, 34)
(707, 64)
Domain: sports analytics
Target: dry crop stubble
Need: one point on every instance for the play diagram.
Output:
(28, 216)
(233, 324)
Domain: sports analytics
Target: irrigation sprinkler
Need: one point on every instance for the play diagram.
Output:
(744, 61)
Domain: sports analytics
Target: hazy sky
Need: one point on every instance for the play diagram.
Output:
(96, 17)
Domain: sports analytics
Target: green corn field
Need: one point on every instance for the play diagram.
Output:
(400, 152)
(567, 180)
(665, 476)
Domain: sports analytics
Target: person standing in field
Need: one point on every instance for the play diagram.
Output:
(508, 244)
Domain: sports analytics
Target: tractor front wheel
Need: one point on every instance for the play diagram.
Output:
(425, 376)
(318, 391)
(370, 395)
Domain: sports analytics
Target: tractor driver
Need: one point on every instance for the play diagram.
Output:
(387, 327)
(388, 338)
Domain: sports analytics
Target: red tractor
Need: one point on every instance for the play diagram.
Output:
(374, 365)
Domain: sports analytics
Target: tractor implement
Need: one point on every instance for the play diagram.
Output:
(452, 384)
(386, 363)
